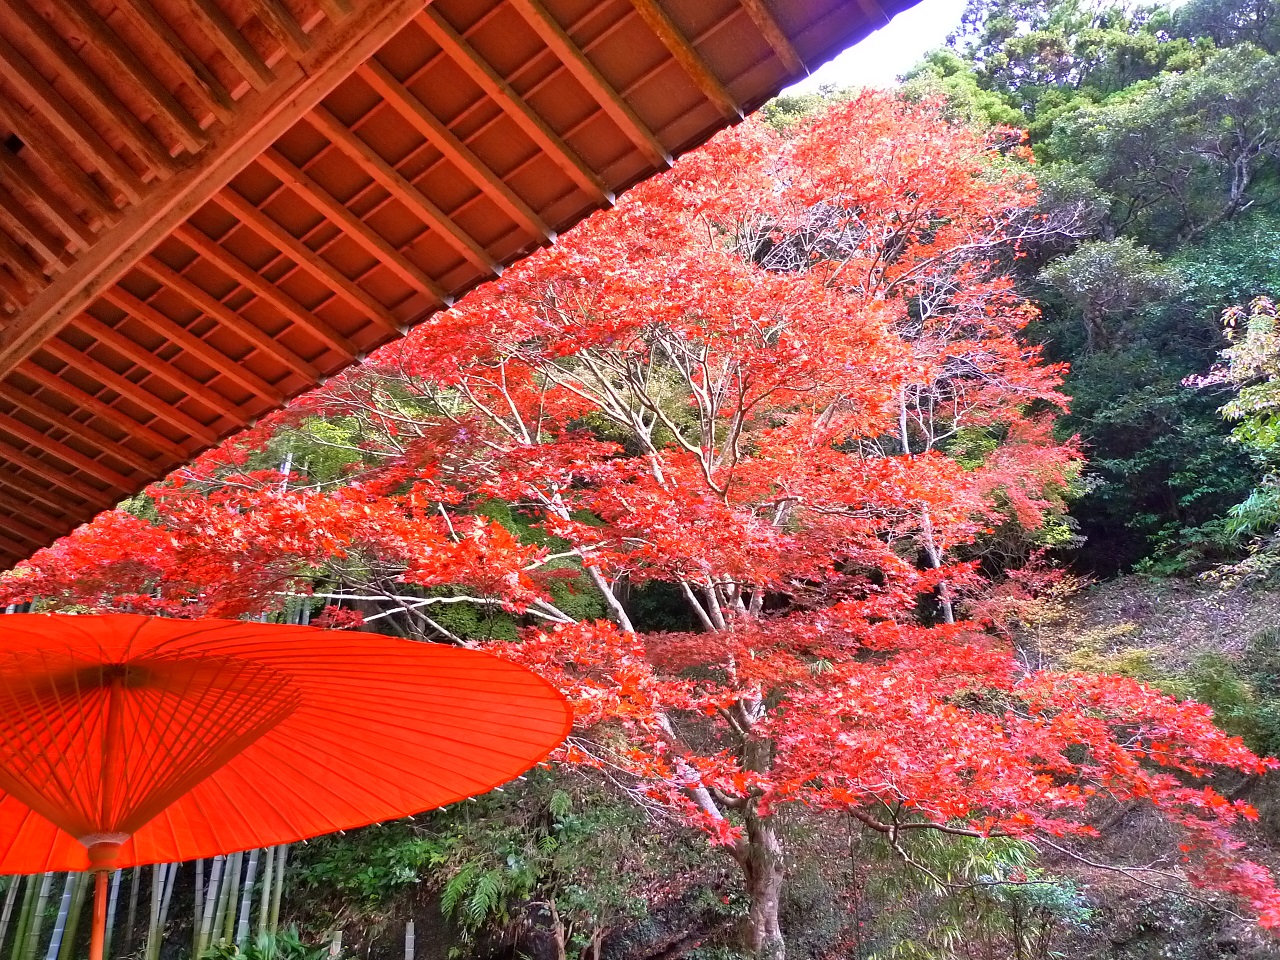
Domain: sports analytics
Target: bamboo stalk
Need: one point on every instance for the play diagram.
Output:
(264, 901)
(60, 924)
(197, 910)
(151, 949)
(37, 917)
(250, 873)
(277, 894)
(171, 878)
(6, 914)
(131, 923)
(112, 902)
(24, 920)
(233, 899)
(84, 883)
(210, 903)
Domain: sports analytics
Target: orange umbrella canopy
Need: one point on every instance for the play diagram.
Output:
(148, 740)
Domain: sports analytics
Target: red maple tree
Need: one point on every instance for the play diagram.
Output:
(787, 380)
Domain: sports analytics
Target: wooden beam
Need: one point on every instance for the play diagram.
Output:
(294, 249)
(86, 433)
(148, 361)
(37, 514)
(152, 318)
(222, 33)
(261, 117)
(100, 408)
(275, 16)
(411, 109)
(319, 198)
(169, 48)
(11, 454)
(409, 196)
(68, 455)
(64, 119)
(33, 192)
(534, 127)
(88, 86)
(690, 60)
(126, 388)
(214, 308)
(43, 148)
(250, 279)
(44, 493)
(18, 220)
(16, 523)
(22, 541)
(335, 10)
(124, 60)
(592, 80)
(16, 293)
(21, 264)
(774, 35)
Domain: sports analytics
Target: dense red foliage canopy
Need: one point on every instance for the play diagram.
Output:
(786, 379)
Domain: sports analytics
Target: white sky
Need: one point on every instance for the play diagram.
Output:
(893, 49)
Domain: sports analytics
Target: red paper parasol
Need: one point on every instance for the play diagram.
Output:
(128, 740)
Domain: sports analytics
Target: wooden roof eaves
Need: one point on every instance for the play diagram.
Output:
(263, 116)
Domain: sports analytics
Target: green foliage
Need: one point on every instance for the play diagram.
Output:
(368, 868)
(286, 945)
(579, 862)
(970, 897)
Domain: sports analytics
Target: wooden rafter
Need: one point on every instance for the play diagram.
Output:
(173, 52)
(291, 247)
(30, 190)
(24, 227)
(43, 492)
(123, 59)
(214, 308)
(21, 265)
(687, 56)
(153, 319)
(67, 455)
(411, 109)
(148, 401)
(368, 160)
(487, 79)
(87, 434)
(592, 80)
(53, 155)
(99, 408)
(250, 279)
(145, 359)
(335, 10)
(64, 118)
(319, 198)
(14, 456)
(261, 117)
(275, 16)
(22, 529)
(222, 33)
(87, 86)
(774, 35)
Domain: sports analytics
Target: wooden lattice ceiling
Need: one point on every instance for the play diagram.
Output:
(209, 206)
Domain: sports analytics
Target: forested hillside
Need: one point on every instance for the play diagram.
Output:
(892, 489)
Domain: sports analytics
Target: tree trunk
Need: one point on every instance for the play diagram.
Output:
(763, 872)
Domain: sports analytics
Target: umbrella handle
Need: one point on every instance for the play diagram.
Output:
(98, 938)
